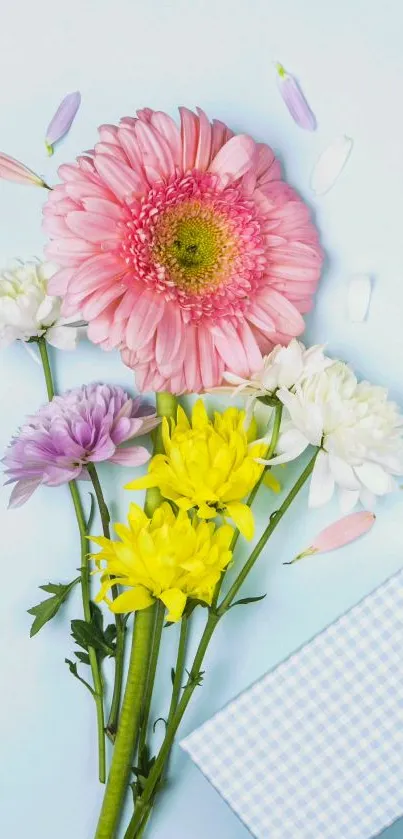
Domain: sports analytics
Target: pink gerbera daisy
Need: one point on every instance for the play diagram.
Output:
(183, 247)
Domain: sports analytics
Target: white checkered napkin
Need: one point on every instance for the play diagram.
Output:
(314, 750)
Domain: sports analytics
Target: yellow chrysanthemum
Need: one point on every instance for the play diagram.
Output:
(208, 465)
(168, 557)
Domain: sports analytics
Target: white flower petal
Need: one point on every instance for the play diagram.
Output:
(343, 473)
(330, 164)
(25, 307)
(374, 478)
(348, 499)
(368, 499)
(62, 337)
(322, 482)
(48, 311)
(358, 297)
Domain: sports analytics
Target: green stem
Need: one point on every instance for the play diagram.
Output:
(113, 718)
(179, 669)
(86, 598)
(176, 689)
(84, 580)
(128, 725)
(275, 519)
(193, 681)
(43, 349)
(152, 669)
(158, 768)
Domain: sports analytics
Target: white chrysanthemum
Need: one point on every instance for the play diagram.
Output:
(284, 367)
(26, 309)
(358, 429)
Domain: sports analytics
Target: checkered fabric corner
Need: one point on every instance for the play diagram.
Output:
(314, 750)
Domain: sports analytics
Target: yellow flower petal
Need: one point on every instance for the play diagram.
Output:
(146, 482)
(242, 515)
(182, 421)
(132, 600)
(199, 415)
(175, 601)
(206, 512)
(272, 482)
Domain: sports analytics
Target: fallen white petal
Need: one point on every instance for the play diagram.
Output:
(358, 297)
(330, 164)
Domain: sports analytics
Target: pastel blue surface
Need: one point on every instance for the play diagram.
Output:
(218, 54)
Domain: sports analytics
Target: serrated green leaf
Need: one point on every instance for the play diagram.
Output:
(246, 600)
(47, 609)
(97, 617)
(92, 635)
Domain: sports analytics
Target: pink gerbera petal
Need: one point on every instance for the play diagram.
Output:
(184, 248)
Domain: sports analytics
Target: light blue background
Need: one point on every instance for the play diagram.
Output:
(218, 54)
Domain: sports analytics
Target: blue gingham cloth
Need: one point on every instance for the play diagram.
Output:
(314, 750)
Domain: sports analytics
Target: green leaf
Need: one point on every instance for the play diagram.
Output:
(97, 616)
(91, 634)
(91, 513)
(110, 634)
(246, 600)
(83, 657)
(47, 609)
(191, 604)
(73, 670)
(172, 675)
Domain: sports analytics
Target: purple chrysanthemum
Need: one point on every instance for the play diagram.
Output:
(86, 424)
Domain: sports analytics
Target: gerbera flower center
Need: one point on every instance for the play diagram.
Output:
(193, 243)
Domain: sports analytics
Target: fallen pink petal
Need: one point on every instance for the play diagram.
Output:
(13, 170)
(338, 534)
(63, 119)
(295, 100)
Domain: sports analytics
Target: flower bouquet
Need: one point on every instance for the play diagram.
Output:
(184, 249)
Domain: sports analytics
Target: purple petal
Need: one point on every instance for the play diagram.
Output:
(23, 491)
(295, 100)
(123, 429)
(133, 456)
(62, 120)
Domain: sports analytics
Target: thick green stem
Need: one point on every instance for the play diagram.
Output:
(137, 821)
(86, 599)
(152, 669)
(113, 718)
(194, 680)
(84, 580)
(128, 725)
(176, 690)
